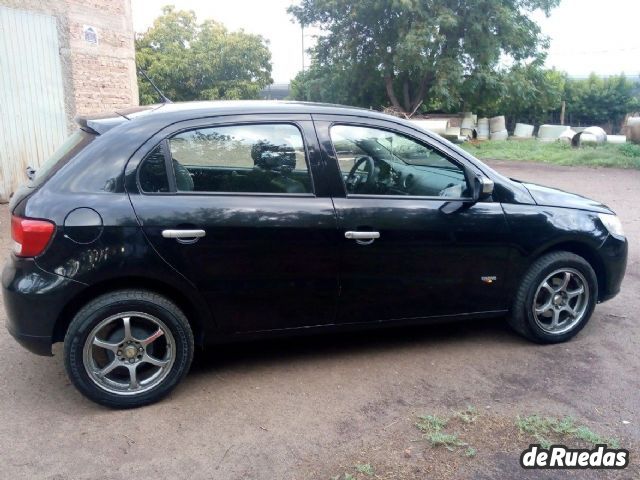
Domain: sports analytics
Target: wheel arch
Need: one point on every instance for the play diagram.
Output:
(196, 314)
(584, 250)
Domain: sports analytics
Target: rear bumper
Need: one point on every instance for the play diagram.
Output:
(34, 300)
(614, 258)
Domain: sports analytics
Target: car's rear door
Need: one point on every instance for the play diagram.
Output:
(243, 217)
(403, 254)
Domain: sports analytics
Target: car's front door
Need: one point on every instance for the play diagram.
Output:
(239, 216)
(403, 254)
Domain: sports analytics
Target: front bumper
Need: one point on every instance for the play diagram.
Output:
(613, 253)
(34, 300)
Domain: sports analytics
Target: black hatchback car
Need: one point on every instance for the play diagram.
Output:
(163, 228)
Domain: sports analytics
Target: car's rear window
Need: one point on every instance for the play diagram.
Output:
(65, 152)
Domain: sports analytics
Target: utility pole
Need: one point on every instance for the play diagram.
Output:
(302, 30)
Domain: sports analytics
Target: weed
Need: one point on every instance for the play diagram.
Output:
(542, 427)
(346, 476)
(586, 435)
(431, 423)
(432, 427)
(470, 452)
(468, 415)
(629, 150)
(447, 440)
(365, 468)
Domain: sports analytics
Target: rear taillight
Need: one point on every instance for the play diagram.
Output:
(30, 237)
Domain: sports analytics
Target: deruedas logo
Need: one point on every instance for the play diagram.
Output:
(559, 456)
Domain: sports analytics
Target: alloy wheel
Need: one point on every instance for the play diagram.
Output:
(561, 301)
(129, 353)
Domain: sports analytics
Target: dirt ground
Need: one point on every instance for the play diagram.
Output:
(318, 407)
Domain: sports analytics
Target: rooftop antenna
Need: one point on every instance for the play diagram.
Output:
(155, 87)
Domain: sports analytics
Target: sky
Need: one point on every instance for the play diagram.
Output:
(586, 35)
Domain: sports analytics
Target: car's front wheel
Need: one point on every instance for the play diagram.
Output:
(128, 348)
(555, 298)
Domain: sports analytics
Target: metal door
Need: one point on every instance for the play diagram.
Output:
(32, 115)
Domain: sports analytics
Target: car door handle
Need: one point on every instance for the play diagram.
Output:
(362, 237)
(183, 233)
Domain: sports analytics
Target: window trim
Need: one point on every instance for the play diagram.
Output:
(171, 174)
(166, 171)
(168, 166)
(464, 168)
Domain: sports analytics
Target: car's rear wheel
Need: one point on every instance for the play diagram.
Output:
(128, 348)
(555, 299)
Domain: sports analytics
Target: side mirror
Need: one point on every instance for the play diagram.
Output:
(482, 188)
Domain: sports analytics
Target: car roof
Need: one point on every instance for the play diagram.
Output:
(173, 112)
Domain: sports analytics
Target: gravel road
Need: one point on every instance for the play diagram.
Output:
(315, 407)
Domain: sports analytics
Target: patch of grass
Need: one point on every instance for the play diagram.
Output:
(447, 440)
(432, 427)
(470, 452)
(346, 476)
(626, 155)
(630, 150)
(431, 423)
(365, 468)
(544, 428)
(468, 415)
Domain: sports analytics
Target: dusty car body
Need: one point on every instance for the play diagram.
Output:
(196, 223)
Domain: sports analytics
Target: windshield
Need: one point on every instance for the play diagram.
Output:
(65, 152)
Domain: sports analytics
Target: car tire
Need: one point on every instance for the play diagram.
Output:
(140, 338)
(546, 311)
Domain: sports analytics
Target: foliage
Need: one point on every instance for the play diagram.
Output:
(608, 155)
(432, 427)
(524, 93)
(415, 51)
(191, 61)
(543, 428)
(596, 100)
(468, 415)
(365, 468)
(630, 150)
(470, 452)
(337, 85)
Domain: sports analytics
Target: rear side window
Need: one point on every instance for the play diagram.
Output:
(153, 171)
(65, 152)
(256, 158)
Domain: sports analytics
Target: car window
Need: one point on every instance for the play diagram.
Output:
(153, 171)
(257, 158)
(75, 143)
(380, 162)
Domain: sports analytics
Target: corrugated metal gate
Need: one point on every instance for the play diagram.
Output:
(32, 116)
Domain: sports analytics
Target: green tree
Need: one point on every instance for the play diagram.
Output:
(597, 100)
(421, 49)
(334, 84)
(523, 93)
(191, 61)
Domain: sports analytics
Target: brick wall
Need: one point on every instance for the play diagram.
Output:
(103, 74)
(97, 77)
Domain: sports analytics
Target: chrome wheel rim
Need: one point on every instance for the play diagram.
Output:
(561, 301)
(129, 353)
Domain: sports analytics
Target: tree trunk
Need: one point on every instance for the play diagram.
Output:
(406, 96)
(427, 79)
(388, 83)
(409, 105)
